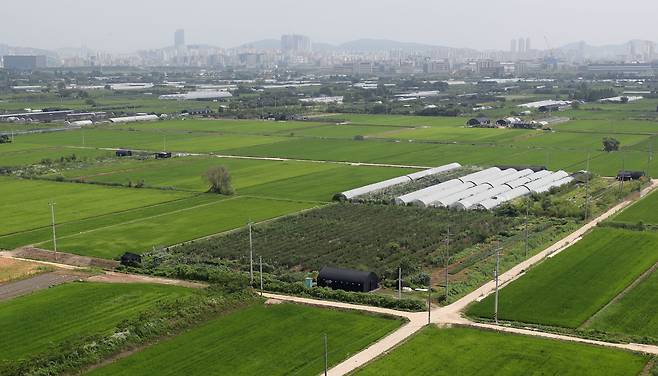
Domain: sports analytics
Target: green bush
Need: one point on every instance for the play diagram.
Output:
(325, 293)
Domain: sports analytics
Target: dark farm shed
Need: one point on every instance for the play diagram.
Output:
(348, 280)
(124, 153)
(478, 122)
(131, 259)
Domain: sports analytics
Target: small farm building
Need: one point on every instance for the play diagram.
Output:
(348, 280)
(124, 153)
(629, 175)
(162, 155)
(478, 122)
(131, 259)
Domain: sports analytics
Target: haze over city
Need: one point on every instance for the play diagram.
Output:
(126, 26)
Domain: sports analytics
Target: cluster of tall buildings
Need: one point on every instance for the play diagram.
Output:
(295, 43)
(521, 45)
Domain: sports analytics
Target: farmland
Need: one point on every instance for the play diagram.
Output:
(368, 237)
(569, 288)
(644, 211)
(74, 202)
(12, 270)
(462, 351)
(278, 179)
(435, 141)
(226, 345)
(633, 314)
(33, 323)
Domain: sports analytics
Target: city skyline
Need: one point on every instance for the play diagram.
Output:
(118, 30)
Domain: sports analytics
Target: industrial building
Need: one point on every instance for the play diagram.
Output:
(24, 62)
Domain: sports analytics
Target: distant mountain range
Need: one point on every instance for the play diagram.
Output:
(359, 45)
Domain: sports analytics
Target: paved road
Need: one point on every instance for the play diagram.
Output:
(38, 282)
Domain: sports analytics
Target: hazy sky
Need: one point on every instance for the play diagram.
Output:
(128, 25)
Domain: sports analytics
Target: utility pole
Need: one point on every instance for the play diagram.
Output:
(623, 172)
(260, 260)
(497, 272)
(251, 256)
(527, 214)
(400, 283)
(326, 356)
(447, 262)
(648, 159)
(429, 300)
(52, 215)
(587, 190)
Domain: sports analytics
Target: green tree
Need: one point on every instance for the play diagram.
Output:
(219, 179)
(610, 144)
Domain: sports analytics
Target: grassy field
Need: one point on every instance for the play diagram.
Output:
(634, 313)
(465, 351)
(569, 288)
(279, 179)
(283, 339)
(645, 211)
(12, 270)
(26, 202)
(174, 227)
(431, 141)
(31, 323)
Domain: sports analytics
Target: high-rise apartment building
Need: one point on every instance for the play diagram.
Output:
(295, 43)
(179, 38)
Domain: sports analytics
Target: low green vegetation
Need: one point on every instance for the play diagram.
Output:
(174, 227)
(645, 211)
(26, 202)
(632, 314)
(465, 351)
(34, 323)
(569, 288)
(279, 339)
(379, 238)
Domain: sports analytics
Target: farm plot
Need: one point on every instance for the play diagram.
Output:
(44, 234)
(25, 202)
(645, 211)
(398, 120)
(634, 314)
(280, 339)
(31, 324)
(368, 237)
(148, 140)
(225, 126)
(170, 228)
(465, 351)
(279, 179)
(12, 270)
(569, 288)
(27, 154)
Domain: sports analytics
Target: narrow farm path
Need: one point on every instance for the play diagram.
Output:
(114, 277)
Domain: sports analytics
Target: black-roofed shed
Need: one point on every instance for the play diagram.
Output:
(347, 279)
